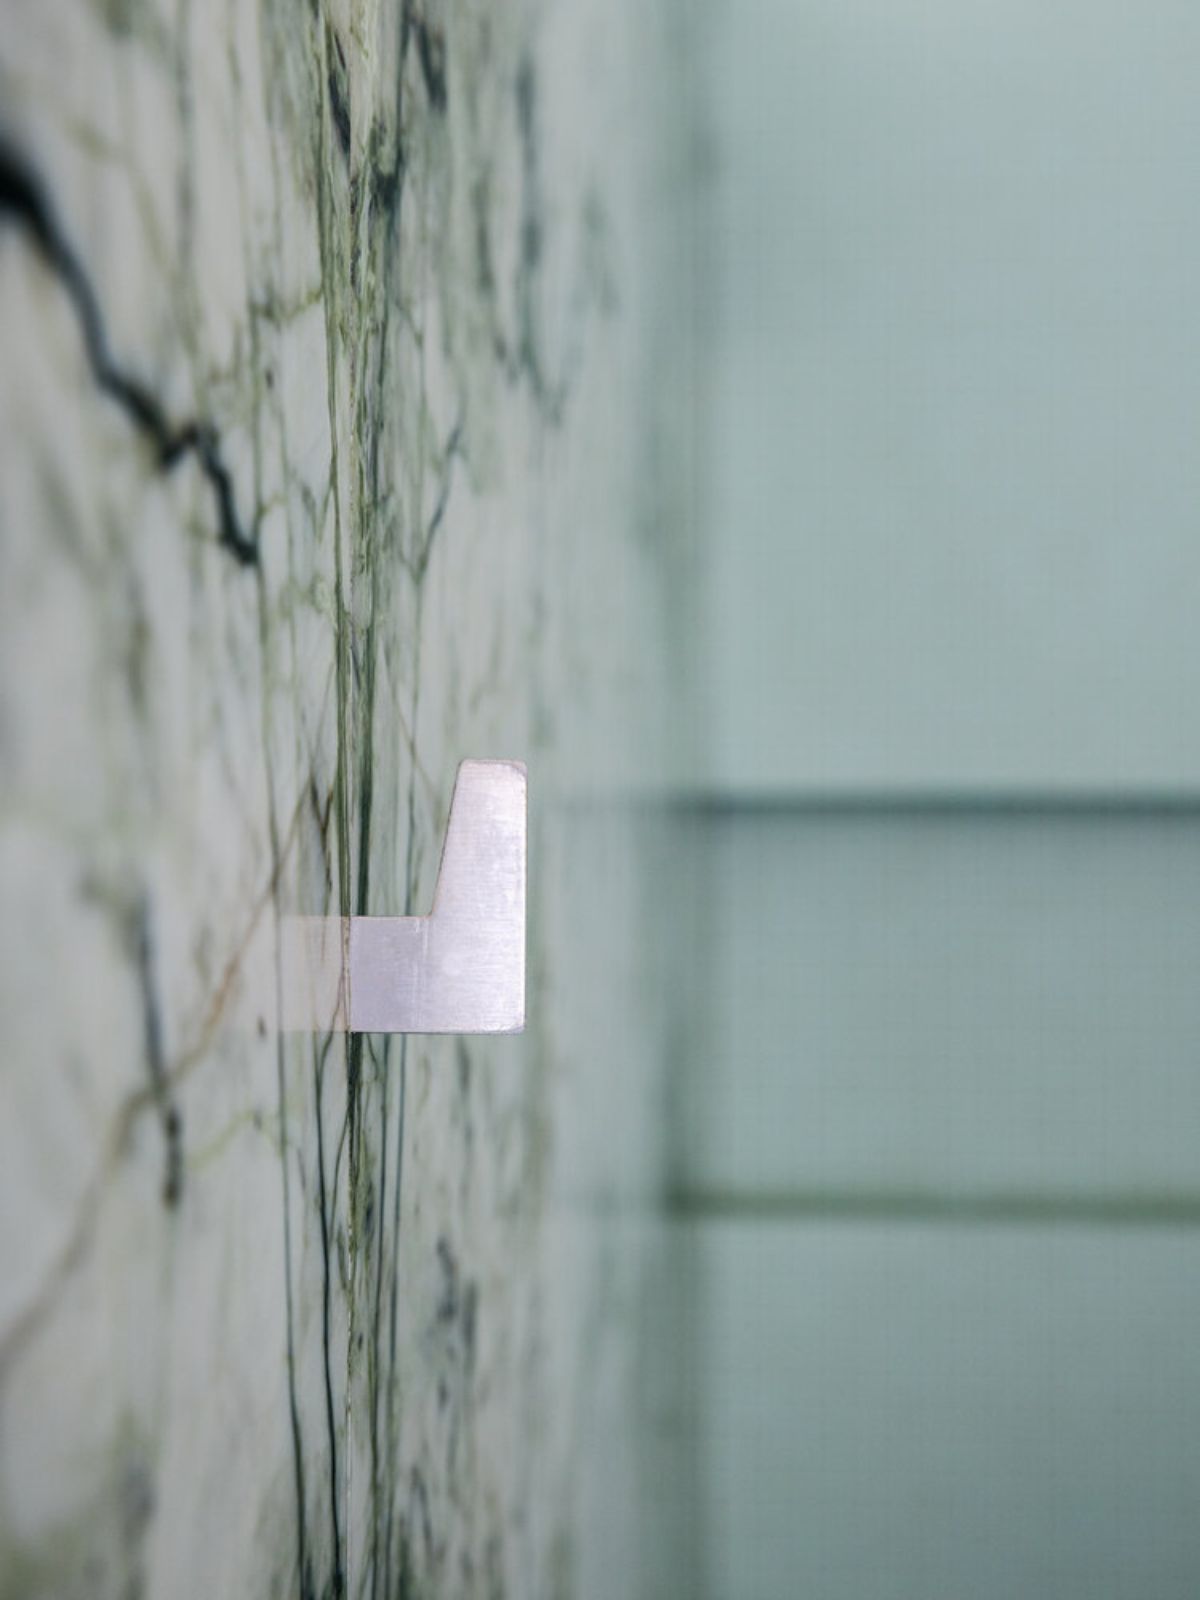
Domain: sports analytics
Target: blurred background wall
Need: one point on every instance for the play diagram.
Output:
(936, 1157)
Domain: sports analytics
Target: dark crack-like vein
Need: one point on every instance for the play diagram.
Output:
(431, 53)
(325, 1208)
(23, 201)
(168, 1111)
(339, 91)
(550, 397)
(454, 448)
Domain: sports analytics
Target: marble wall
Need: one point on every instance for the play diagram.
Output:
(342, 406)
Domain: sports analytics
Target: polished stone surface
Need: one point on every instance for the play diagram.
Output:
(331, 455)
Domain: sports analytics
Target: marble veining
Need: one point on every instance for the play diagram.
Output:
(328, 336)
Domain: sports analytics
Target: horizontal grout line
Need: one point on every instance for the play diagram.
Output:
(935, 802)
(984, 1208)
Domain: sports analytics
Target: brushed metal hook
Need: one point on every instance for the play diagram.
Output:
(461, 969)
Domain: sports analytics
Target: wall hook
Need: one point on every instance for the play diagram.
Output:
(461, 969)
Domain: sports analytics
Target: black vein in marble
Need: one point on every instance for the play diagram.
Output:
(23, 201)
(452, 450)
(520, 353)
(431, 53)
(528, 354)
(303, 1560)
(325, 1205)
(376, 1319)
(168, 1111)
(339, 91)
(389, 1538)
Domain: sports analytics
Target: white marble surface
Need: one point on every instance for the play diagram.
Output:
(313, 1316)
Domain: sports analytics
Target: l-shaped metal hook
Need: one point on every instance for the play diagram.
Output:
(461, 969)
